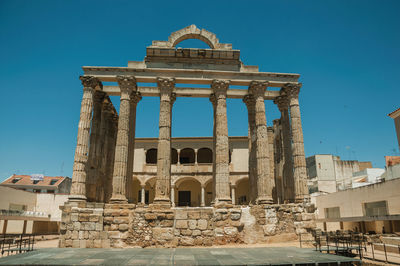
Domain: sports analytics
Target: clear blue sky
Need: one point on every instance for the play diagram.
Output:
(347, 52)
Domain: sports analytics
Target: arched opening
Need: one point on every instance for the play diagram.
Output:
(192, 38)
(174, 156)
(242, 192)
(208, 192)
(149, 191)
(187, 156)
(204, 155)
(151, 156)
(188, 192)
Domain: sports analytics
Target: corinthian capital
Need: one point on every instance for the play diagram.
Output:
(126, 82)
(249, 100)
(292, 89)
(135, 97)
(166, 83)
(282, 102)
(220, 87)
(91, 82)
(257, 88)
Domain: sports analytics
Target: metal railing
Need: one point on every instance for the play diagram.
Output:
(16, 243)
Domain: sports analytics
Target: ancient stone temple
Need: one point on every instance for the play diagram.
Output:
(186, 191)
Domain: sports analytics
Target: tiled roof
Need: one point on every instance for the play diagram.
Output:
(25, 180)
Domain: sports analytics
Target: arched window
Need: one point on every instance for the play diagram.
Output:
(151, 156)
(204, 155)
(174, 156)
(186, 156)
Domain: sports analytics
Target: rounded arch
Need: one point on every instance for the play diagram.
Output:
(188, 191)
(242, 191)
(151, 156)
(187, 156)
(204, 155)
(182, 179)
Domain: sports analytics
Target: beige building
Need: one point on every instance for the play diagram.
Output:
(396, 117)
(373, 208)
(328, 173)
(39, 183)
(29, 212)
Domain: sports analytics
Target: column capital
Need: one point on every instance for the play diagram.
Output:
(257, 88)
(282, 102)
(135, 97)
(127, 85)
(91, 82)
(173, 98)
(291, 90)
(213, 99)
(220, 87)
(167, 84)
(249, 100)
(99, 96)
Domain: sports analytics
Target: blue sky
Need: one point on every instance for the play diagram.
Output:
(347, 53)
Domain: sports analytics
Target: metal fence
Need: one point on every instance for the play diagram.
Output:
(16, 243)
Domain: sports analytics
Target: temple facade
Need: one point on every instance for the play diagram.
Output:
(186, 191)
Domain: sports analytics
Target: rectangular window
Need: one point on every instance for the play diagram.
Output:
(53, 181)
(35, 182)
(331, 213)
(17, 207)
(376, 208)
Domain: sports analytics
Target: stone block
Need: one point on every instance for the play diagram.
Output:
(103, 235)
(108, 220)
(309, 224)
(108, 212)
(177, 232)
(194, 215)
(231, 231)
(150, 216)
(94, 235)
(186, 241)
(77, 226)
(235, 216)
(205, 215)
(68, 243)
(181, 224)
(124, 212)
(181, 215)
(76, 243)
(198, 241)
(114, 227)
(269, 229)
(163, 233)
(99, 226)
(207, 241)
(121, 220)
(192, 224)
(222, 211)
(196, 232)
(93, 218)
(123, 227)
(219, 232)
(90, 226)
(186, 232)
(89, 243)
(83, 217)
(75, 235)
(105, 243)
(86, 210)
(74, 217)
(202, 224)
(170, 216)
(114, 234)
(208, 233)
(97, 243)
(307, 216)
(81, 235)
(167, 223)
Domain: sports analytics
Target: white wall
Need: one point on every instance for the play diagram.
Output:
(50, 204)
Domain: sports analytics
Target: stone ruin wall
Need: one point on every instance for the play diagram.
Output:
(98, 225)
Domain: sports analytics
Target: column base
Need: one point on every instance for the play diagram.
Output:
(264, 200)
(118, 199)
(161, 203)
(222, 203)
(77, 198)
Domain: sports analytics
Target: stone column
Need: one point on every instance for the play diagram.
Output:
(173, 195)
(163, 180)
(250, 102)
(101, 151)
(264, 180)
(288, 178)
(299, 159)
(221, 183)
(79, 174)
(143, 195)
(93, 177)
(203, 196)
(127, 85)
(112, 131)
(233, 192)
(213, 100)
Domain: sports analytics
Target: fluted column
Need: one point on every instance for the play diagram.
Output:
(112, 131)
(163, 180)
(299, 160)
(250, 102)
(221, 184)
(288, 178)
(94, 147)
(264, 180)
(79, 174)
(213, 101)
(101, 152)
(127, 85)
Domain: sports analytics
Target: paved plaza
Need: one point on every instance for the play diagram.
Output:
(175, 256)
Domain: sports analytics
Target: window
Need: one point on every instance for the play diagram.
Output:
(35, 182)
(186, 156)
(377, 208)
(37, 190)
(331, 213)
(50, 191)
(204, 155)
(151, 156)
(174, 156)
(53, 181)
(17, 207)
(15, 180)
